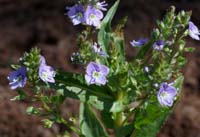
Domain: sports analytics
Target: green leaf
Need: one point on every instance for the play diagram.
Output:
(32, 110)
(107, 119)
(151, 129)
(73, 86)
(47, 123)
(106, 23)
(112, 42)
(104, 35)
(190, 49)
(125, 130)
(117, 106)
(148, 122)
(178, 83)
(89, 124)
(15, 67)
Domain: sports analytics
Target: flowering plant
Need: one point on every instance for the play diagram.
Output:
(127, 98)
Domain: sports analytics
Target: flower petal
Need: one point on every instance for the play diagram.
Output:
(101, 80)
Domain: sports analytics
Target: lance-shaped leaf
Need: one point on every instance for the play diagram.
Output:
(106, 23)
(104, 35)
(89, 124)
(112, 42)
(73, 86)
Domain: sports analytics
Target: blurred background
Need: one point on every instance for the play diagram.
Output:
(28, 23)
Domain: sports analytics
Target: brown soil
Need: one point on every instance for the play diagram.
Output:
(28, 23)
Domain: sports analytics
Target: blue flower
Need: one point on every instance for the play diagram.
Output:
(159, 45)
(96, 73)
(99, 50)
(139, 42)
(76, 14)
(17, 78)
(46, 73)
(101, 5)
(93, 16)
(194, 31)
(166, 94)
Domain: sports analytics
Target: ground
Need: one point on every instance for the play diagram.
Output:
(26, 24)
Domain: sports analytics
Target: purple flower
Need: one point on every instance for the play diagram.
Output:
(99, 50)
(76, 14)
(139, 42)
(96, 73)
(17, 78)
(166, 94)
(46, 73)
(101, 5)
(42, 60)
(193, 31)
(93, 16)
(159, 45)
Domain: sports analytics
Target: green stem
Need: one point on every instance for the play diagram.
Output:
(118, 119)
(119, 115)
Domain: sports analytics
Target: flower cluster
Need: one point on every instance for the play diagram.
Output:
(91, 16)
(18, 78)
